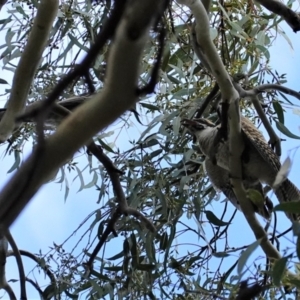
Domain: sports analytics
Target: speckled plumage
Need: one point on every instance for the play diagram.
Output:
(220, 179)
(260, 165)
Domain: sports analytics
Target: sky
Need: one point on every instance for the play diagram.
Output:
(48, 218)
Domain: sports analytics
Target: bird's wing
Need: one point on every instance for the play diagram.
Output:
(257, 140)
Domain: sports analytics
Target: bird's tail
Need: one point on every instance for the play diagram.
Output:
(287, 192)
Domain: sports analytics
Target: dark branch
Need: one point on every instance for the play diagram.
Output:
(149, 88)
(105, 34)
(278, 8)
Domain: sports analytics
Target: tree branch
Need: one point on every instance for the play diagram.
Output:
(28, 65)
(20, 265)
(2, 2)
(269, 86)
(3, 253)
(37, 260)
(230, 98)
(278, 8)
(118, 95)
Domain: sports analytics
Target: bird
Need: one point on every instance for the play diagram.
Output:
(220, 180)
(260, 165)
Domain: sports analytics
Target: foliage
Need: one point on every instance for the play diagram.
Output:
(162, 170)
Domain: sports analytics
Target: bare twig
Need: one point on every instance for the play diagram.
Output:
(37, 260)
(3, 253)
(122, 208)
(36, 286)
(20, 265)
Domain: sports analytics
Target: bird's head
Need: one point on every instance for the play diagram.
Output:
(196, 125)
(204, 132)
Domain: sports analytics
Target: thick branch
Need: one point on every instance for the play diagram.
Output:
(209, 50)
(292, 18)
(277, 87)
(117, 96)
(28, 65)
(59, 110)
(230, 99)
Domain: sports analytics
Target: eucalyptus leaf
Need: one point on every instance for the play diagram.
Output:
(285, 131)
(211, 217)
(245, 256)
(279, 269)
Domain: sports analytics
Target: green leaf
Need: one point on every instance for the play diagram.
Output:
(2, 81)
(93, 182)
(176, 125)
(150, 141)
(155, 153)
(67, 189)
(126, 247)
(100, 229)
(17, 161)
(117, 256)
(296, 228)
(279, 111)
(245, 255)
(211, 217)
(278, 270)
(150, 250)
(220, 254)
(80, 178)
(163, 242)
(264, 51)
(294, 282)
(256, 197)
(76, 42)
(288, 207)
(50, 291)
(105, 146)
(150, 106)
(285, 131)
(134, 251)
(283, 173)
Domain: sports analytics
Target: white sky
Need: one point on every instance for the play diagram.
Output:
(49, 219)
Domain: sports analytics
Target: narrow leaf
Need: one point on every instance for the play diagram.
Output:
(288, 207)
(279, 111)
(245, 255)
(278, 270)
(285, 131)
(211, 217)
(283, 172)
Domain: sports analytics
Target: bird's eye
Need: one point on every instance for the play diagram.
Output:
(199, 126)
